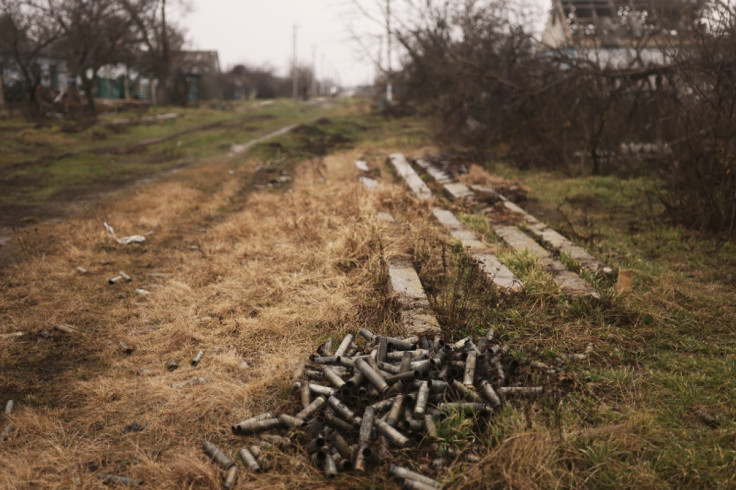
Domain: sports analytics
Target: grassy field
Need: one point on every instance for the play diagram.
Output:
(270, 253)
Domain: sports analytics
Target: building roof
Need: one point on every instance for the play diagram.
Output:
(198, 62)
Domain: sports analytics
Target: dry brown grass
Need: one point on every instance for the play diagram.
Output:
(277, 272)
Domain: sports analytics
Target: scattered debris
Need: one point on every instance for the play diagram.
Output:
(134, 427)
(44, 334)
(126, 348)
(369, 183)
(625, 280)
(5, 434)
(61, 327)
(11, 335)
(121, 480)
(126, 239)
(142, 292)
(362, 165)
(198, 358)
(172, 365)
(9, 407)
(122, 276)
(82, 270)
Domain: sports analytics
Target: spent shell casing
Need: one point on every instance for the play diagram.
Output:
(315, 427)
(383, 404)
(120, 480)
(388, 367)
(366, 426)
(197, 358)
(318, 404)
(413, 355)
(371, 375)
(172, 365)
(367, 334)
(305, 394)
(469, 377)
(398, 344)
(465, 392)
(313, 375)
(342, 410)
(338, 424)
(332, 377)
(410, 484)
(521, 391)
(460, 344)
(329, 466)
(360, 459)
(344, 345)
(316, 444)
(489, 393)
(9, 406)
(423, 343)
(397, 438)
(291, 422)
(230, 477)
(421, 402)
(260, 457)
(216, 455)
(405, 473)
(413, 425)
(340, 444)
(324, 359)
(315, 388)
(396, 410)
(431, 426)
(382, 349)
(254, 426)
(405, 366)
(5, 434)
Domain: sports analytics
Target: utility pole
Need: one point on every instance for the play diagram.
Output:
(389, 91)
(294, 72)
(314, 69)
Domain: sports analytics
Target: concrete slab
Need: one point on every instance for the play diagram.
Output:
(415, 183)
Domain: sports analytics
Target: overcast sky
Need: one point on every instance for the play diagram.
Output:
(258, 32)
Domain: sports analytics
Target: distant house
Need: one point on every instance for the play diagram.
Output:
(197, 74)
(613, 33)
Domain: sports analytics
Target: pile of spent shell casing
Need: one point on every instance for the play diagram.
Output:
(360, 402)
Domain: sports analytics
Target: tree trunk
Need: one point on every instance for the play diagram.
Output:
(88, 84)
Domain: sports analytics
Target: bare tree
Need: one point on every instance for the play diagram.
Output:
(26, 35)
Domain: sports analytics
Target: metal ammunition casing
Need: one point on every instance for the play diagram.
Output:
(400, 472)
(423, 342)
(435, 385)
(413, 425)
(346, 362)
(405, 366)
(256, 418)
(291, 422)
(325, 349)
(260, 457)
(421, 402)
(393, 435)
(389, 368)
(469, 377)
(249, 460)
(305, 394)
(343, 464)
(121, 480)
(500, 373)
(410, 484)
(525, 391)
(313, 375)
(398, 344)
(329, 466)
(421, 365)
(395, 412)
(316, 389)
(126, 348)
(471, 347)
(338, 424)
(344, 345)
(230, 477)
(489, 393)
(382, 349)
(340, 444)
(367, 334)
(360, 459)
(61, 327)
(9, 406)
(324, 359)
(315, 445)
(332, 377)
(315, 426)
(318, 404)
(460, 344)
(114, 280)
(383, 404)
(431, 427)
(172, 365)
(125, 276)
(371, 375)
(198, 358)
(366, 426)
(465, 391)
(5, 434)
(414, 355)
(216, 455)
(489, 335)
(254, 426)
(482, 345)
(341, 409)
(463, 406)
(356, 380)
